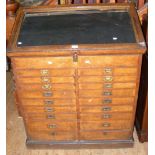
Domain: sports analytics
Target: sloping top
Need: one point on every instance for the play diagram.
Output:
(78, 27)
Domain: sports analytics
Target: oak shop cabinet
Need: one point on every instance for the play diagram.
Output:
(76, 72)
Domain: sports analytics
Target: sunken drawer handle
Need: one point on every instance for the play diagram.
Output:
(52, 126)
(108, 78)
(46, 86)
(52, 133)
(44, 72)
(49, 109)
(107, 85)
(49, 102)
(108, 70)
(50, 116)
(107, 93)
(106, 124)
(106, 108)
(44, 79)
(47, 94)
(106, 101)
(106, 116)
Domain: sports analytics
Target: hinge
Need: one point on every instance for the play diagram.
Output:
(75, 53)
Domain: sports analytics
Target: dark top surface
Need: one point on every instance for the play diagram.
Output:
(94, 27)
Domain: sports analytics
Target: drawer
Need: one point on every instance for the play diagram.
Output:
(45, 86)
(50, 125)
(46, 94)
(105, 116)
(44, 72)
(105, 135)
(51, 80)
(49, 109)
(106, 125)
(107, 85)
(107, 71)
(99, 79)
(106, 101)
(49, 116)
(109, 92)
(108, 60)
(52, 136)
(42, 62)
(48, 102)
(96, 109)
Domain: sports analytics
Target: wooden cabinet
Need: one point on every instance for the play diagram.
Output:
(74, 88)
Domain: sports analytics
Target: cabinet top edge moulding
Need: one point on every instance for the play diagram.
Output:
(116, 27)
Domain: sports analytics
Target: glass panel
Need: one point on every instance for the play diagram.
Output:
(76, 27)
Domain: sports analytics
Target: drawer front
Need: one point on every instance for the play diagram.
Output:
(101, 79)
(45, 125)
(44, 72)
(94, 109)
(106, 101)
(109, 60)
(107, 85)
(45, 86)
(105, 116)
(107, 71)
(45, 80)
(106, 125)
(48, 102)
(42, 62)
(50, 116)
(52, 136)
(49, 109)
(102, 135)
(109, 92)
(46, 94)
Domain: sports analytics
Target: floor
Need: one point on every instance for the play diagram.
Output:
(16, 136)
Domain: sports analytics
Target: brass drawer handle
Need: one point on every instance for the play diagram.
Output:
(46, 86)
(108, 70)
(45, 79)
(106, 108)
(52, 126)
(47, 94)
(106, 124)
(44, 72)
(50, 116)
(105, 133)
(106, 101)
(107, 116)
(108, 78)
(49, 109)
(107, 85)
(107, 93)
(49, 102)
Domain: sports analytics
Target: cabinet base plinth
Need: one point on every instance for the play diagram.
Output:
(80, 144)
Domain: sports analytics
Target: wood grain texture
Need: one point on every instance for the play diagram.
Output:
(16, 136)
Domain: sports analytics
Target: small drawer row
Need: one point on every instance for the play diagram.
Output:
(54, 125)
(71, 80)
(71, 72)
(85, 135)
(82, 101)
(82, 109)
(82, 93)
(106, 116)
(81, 86)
